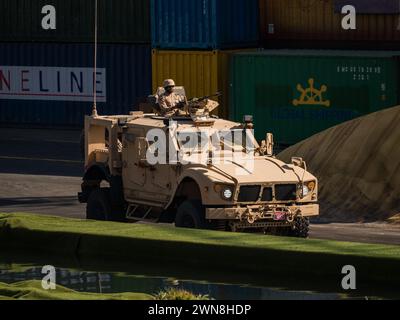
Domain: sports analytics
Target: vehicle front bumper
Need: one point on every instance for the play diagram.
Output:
(255, 213)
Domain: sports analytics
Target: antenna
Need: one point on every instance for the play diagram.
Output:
(94, 110)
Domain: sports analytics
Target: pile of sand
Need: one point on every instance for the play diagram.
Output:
(358, 167)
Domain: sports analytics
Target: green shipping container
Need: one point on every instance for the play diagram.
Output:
(119, 21)
(295, 94)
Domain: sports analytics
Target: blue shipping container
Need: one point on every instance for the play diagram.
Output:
(204, 24)
(47, 84)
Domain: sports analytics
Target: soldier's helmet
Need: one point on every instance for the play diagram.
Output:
(169, 83)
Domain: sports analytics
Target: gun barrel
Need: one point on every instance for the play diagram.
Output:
(218, 94)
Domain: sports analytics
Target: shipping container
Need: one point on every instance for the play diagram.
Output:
(47, 84)
(204, 24)
(119, 21)
(318, 24)
(295, 94)
(202, 73)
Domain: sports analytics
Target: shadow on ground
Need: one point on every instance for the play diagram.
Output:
(42, 201)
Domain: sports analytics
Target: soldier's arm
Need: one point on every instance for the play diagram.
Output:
(162, 101)
(182, 101)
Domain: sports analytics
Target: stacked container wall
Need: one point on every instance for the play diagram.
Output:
(49, 84)
(318, 24)
(295, 94)
(120, 21)
(204, 24)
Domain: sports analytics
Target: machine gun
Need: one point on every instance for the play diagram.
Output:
(205, 98)
(203, 104)
(199, 109)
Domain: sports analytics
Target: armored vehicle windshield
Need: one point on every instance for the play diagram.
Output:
(218, 141)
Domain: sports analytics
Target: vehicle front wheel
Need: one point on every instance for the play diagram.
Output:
(191, 215)
(301, 228)
(98, 205)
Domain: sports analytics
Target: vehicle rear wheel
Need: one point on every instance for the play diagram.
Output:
(191, 215)
(99, 207)
(301, 228)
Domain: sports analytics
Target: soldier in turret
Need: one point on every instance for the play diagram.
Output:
(169, 101)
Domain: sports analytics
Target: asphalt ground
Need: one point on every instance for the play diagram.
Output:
(41, 170)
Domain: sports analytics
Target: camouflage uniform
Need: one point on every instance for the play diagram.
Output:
(168, 103)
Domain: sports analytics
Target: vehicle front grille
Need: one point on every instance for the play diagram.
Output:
(249, 193)
(267, 195)
(285, 192)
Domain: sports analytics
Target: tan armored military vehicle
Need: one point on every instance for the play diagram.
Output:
(237, 185)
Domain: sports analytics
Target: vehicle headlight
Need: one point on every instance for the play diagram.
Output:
(307, 188)
(227, 193)
(305, 191)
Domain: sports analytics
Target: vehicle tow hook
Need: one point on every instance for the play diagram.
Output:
(252, 216)
(291, 216)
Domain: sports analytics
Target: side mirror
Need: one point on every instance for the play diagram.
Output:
(270, 144)
(299, 162)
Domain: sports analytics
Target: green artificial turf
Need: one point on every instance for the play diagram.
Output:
(200, 250)
(32, 290)
(199, 237)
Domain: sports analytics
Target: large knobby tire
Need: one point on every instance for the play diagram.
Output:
(191, 215)
(301, 228)
(99, 207)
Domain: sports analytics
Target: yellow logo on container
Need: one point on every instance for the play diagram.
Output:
(311, 96)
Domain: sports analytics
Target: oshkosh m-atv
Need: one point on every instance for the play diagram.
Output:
(122, 184)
